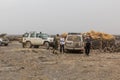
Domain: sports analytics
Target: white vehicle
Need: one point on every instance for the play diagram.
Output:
(4, 41)
(74, 41)
(36, 39)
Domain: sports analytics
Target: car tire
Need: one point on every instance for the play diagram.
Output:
(0, 43)
(28, 44)
(6, 44)
(23, 45)
(46, 45)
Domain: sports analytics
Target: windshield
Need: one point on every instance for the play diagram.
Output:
(74, 38)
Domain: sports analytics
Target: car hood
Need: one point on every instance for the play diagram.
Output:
(50, 39)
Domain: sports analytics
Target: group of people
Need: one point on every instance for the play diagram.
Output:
(60, 41)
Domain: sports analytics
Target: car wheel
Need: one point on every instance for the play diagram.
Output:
(0, 43)
(6, 44)
(23, 45)
(28, 45)
(46, 45)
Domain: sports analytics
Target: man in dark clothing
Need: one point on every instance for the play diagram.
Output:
(55, 43)
(87, 46)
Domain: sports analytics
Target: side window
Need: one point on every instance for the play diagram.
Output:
(26, 35)
(32, 35)
(80, 38)
(38, 35)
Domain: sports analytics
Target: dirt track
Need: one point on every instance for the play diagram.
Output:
(17, 63)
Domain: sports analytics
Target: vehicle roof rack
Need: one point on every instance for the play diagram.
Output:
(73, 33)
(34, 32)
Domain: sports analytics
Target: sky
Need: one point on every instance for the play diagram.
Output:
(58, 16)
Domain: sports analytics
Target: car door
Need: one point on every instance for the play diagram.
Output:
(38, 39)
(32, 38)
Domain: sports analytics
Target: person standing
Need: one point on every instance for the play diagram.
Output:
(56, 43)
(87, 45)
(62, 43)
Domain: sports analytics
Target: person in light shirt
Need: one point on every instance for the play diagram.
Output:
(62, 43)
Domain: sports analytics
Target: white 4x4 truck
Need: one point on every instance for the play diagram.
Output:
(36, 39)
(4, 41)
(74, 41)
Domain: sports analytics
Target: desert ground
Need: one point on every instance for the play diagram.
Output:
(17, 63)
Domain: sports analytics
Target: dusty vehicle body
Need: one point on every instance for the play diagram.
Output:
(4, 41)
(36, 39)
(74, 41)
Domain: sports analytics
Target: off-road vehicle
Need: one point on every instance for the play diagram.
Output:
(36, 39)
(74, 41)
(4, 41)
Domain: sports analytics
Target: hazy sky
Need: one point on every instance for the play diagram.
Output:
(57, 16)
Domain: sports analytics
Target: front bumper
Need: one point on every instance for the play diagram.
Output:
(74, 48)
